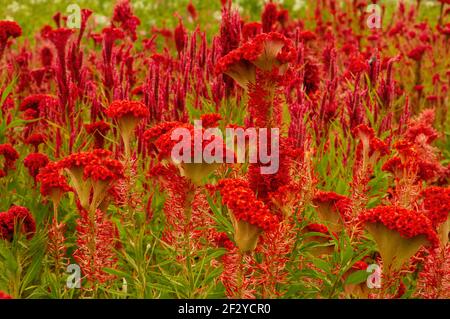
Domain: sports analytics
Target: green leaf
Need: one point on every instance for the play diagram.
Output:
(357, 277)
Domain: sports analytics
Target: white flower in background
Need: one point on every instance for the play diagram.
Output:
(100, 19)
(430, 3)
(217, 15)
(298, 5)
(9, 18)
(138, 5)
(13, 7)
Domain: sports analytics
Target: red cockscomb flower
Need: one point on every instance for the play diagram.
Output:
(10, 219)
(53, 184)
(123, 15)
(332, 209)
(98, 130)
(266, 52)
(127, 114)
(8, 29)
(399, 233)
(417, 53)
(249, 215)
(34, 162)
(210, 120)
(35, 140)
(123, 108)
(10, 156)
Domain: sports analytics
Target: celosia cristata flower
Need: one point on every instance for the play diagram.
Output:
(399, 233)
(34, 162)
(98, 130)
(266, 52)
(14, 216)
(123, 15)
(53, 184)
(152, 134)
(417, 53)
(92, 172)
(8, 29)
(10, 157)
(127, 114)
(165, 144)
(332, 209)
(249, 216)
(436, 204)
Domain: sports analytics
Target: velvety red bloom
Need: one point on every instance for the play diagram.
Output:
(158, 130)
(82, 159)
(364, 132)
(317, 228)
(10, 156)
(34, 162)
(103, 170)
(53, 184)
(15, 215)
(98, 130)
(221, 240)
(210, 120)
(122, 108)
(59, 38)
(417, 53)
(9, 29)
(251, 30)
(266, 52)
(241, 200)
(4, 295)
(357, 64)
(307, 35)
(123, 15)
(97, 127)
(406, 222)
(436, 204)
(269, 16)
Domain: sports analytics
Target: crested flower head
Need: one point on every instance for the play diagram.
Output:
(249, 215)
(332, 209)
(399, 233)
(266, 52)
(14, 216)
(53, 183)
(123, 15)
(124, 108)
(34, 162)
(9, 29)
(127, 114)
(417, 53)
(9, 155)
